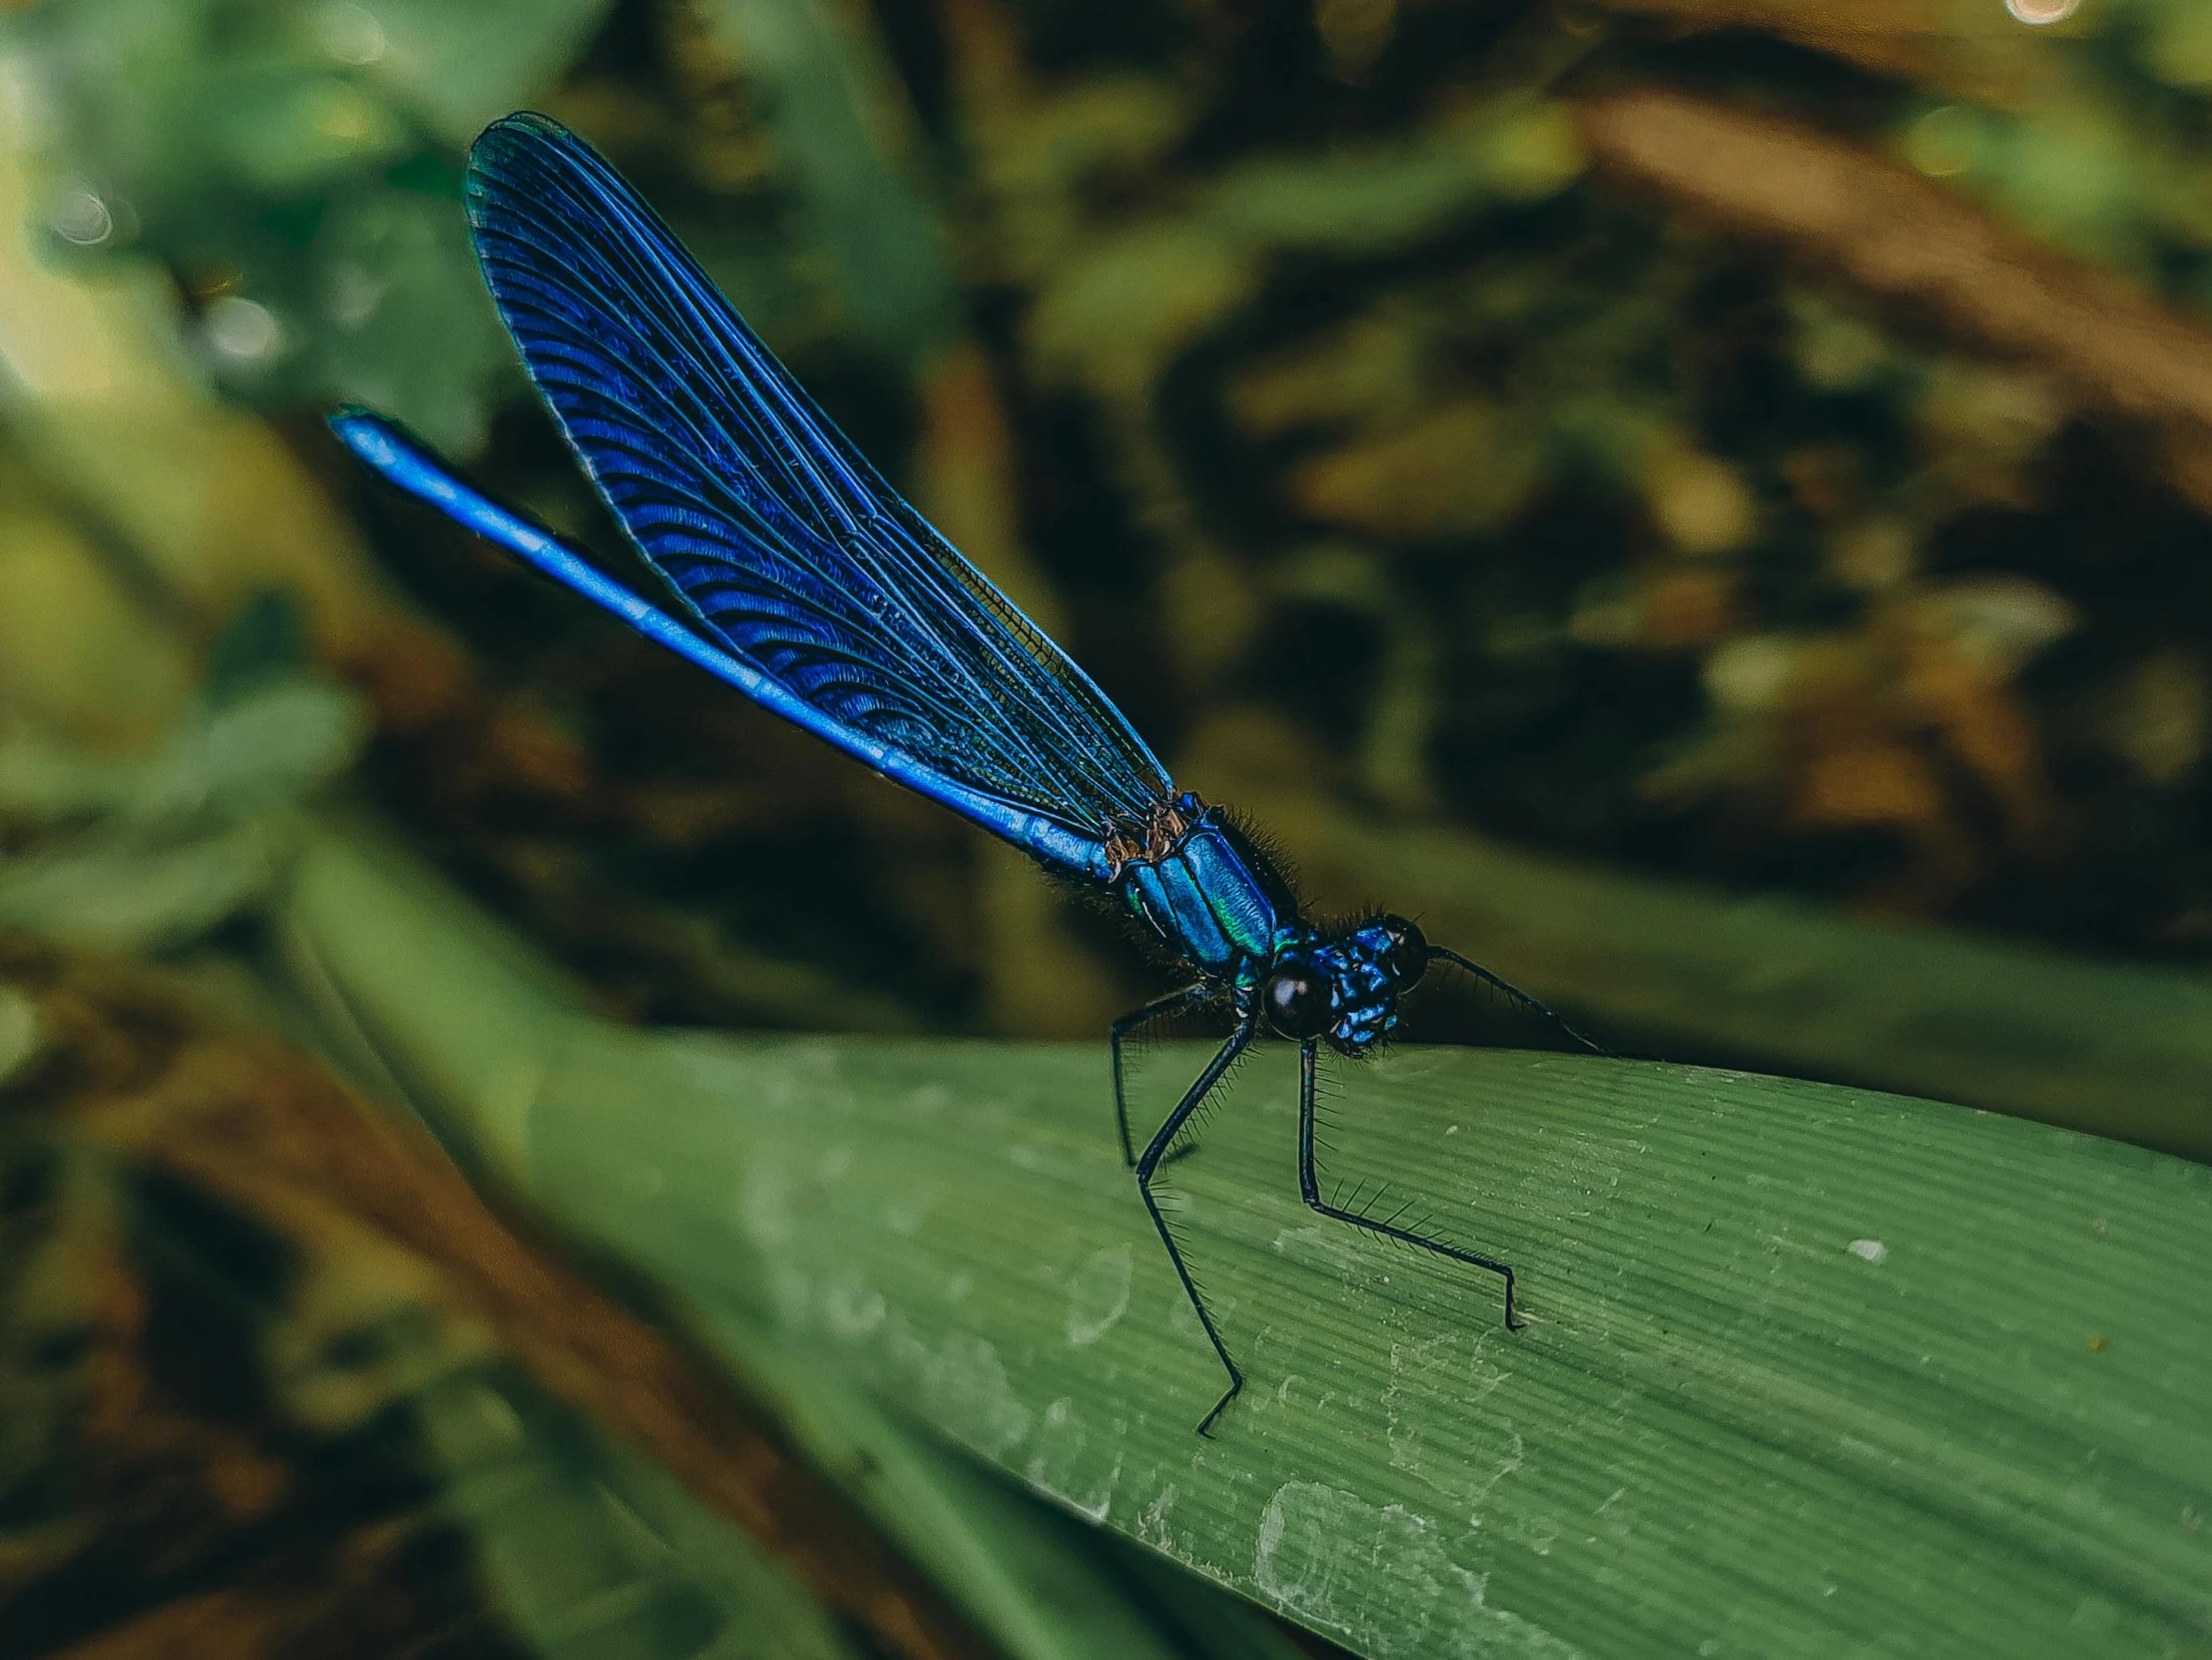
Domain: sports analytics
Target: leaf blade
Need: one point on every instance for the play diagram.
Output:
(1732, 1419)
(1719, 1410)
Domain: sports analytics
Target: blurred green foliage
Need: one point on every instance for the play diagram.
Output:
(292, 166)
(1314, 370)
(1807, 1370)
(136, 854)
(1296, 365)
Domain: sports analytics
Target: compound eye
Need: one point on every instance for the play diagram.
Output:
(1407, 954)
(1296, 999)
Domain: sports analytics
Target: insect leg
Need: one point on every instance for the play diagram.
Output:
(1438, 953)
(1310, 1188)
(1175, 1002)
(1224, 1059)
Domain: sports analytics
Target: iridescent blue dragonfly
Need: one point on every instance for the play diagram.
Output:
(795, 574)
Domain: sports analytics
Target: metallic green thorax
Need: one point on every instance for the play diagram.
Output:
(1213, 897)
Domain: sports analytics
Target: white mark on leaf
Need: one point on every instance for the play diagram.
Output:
(1440, 1425)
(1183, 1319)
(904, 1214)
(851, 1311)
(963, 1388)
(1098, 1296)
(1868, 1250)
(1060, 1468)
(1316, 1542)
(1151, 1527)
(791, 1293)
(764, 1206)
(1329, 1248)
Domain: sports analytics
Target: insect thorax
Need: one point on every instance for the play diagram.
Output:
(1203, 888)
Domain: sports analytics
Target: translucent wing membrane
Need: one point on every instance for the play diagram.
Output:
(407, 463)
(778, 536)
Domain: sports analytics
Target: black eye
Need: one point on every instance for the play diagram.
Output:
(1407, 954)
(1296, 998)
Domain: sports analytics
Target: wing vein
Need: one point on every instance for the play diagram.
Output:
(773, 531)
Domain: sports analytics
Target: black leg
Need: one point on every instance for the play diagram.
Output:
(1309, 1187)
(1437, 952)
(1174, 1003)
(1224, 1059)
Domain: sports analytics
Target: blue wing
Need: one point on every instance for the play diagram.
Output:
(777, 535)
(407, 463)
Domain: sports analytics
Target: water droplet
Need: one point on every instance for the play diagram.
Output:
(81, 218)
(243, 330)
(352, 295)
(349, 33)
(1945, 141)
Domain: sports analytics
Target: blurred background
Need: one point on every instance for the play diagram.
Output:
(1704, 503)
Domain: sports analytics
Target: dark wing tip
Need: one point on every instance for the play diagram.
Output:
(523, 127)
(522, 140)
(522, 160)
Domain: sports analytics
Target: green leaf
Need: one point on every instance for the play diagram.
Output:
(598, 1554)
(266, 749)
(147, 854)
(127, 898)
(276, 151)
(818, 88)
(461, 67)
(1807, 1369)
(1037, 1584)
(2121, 1049)
(1021, 1573)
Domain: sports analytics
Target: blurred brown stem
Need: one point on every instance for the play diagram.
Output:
(1918, 248)
(1971, 51)
(238, 1118)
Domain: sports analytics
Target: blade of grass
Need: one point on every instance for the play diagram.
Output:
(1807, 1370)
(1031, 1581)
(969, 1531)
(595, 1552)
(2117, 1048)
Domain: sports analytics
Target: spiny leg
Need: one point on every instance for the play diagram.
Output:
(1309, 1187)
(1438, 953)
(1224, 1059)
(1174, 1003)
